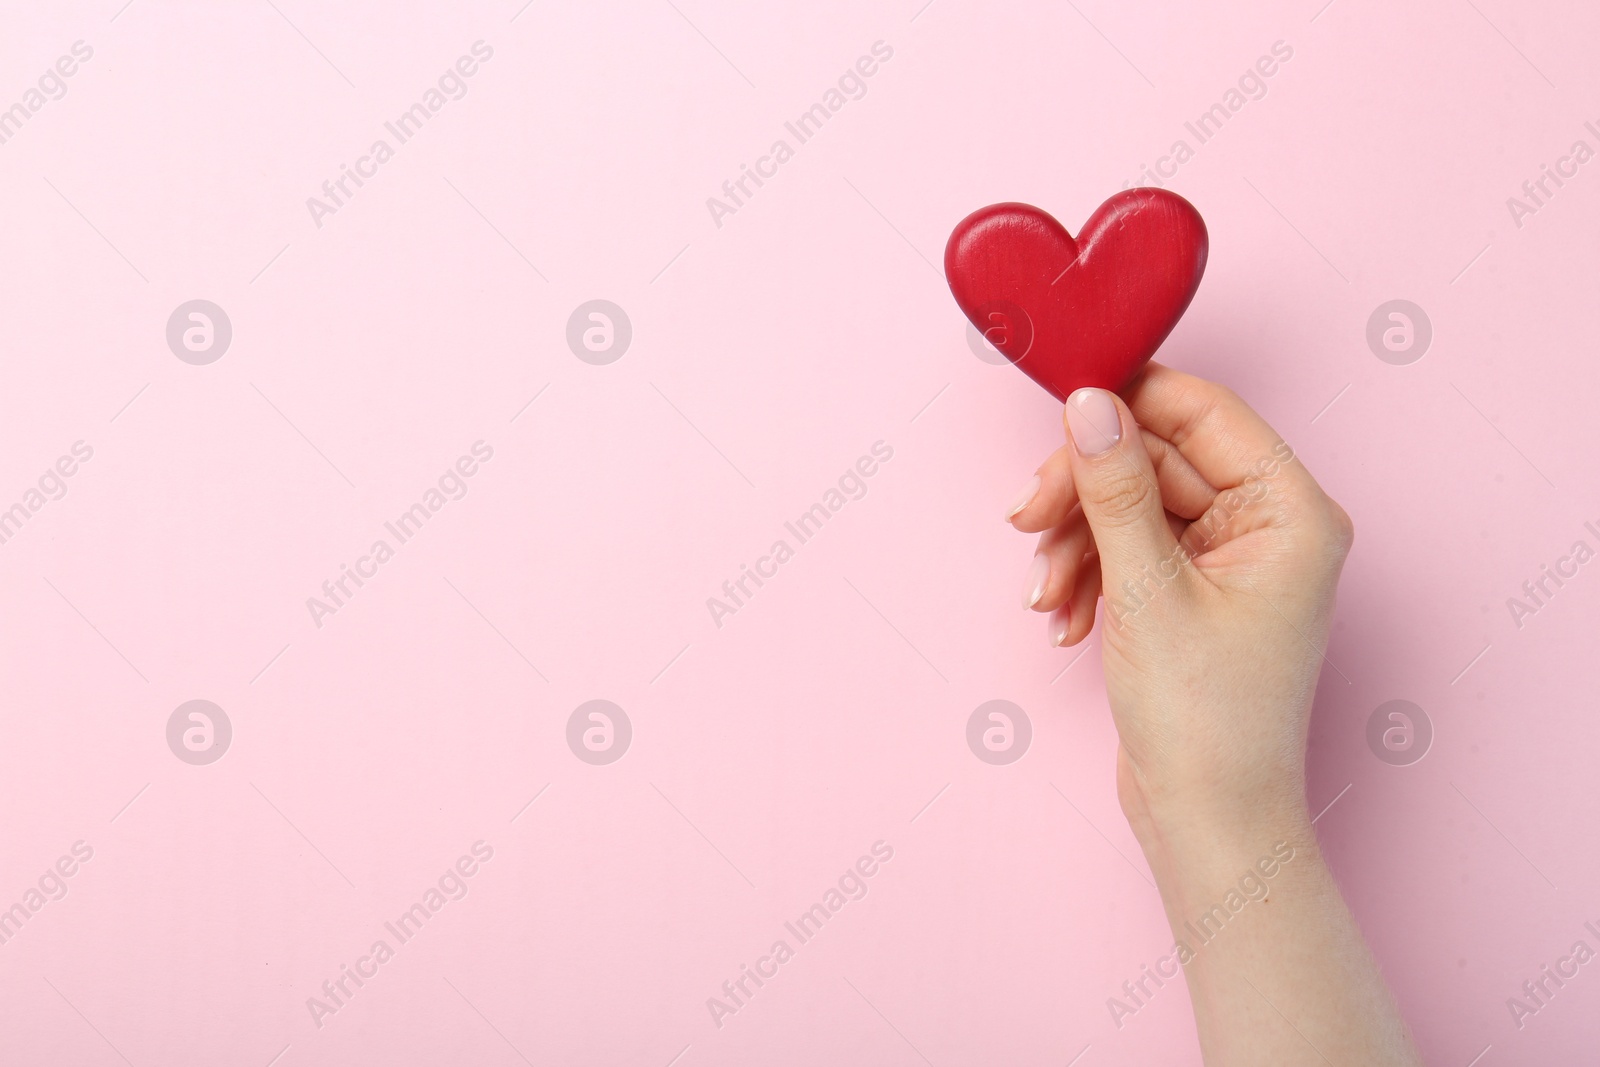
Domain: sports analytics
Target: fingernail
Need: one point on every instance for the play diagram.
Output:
(1092, 419)
(1060, 621)
(1024, 498)
(1038, 575)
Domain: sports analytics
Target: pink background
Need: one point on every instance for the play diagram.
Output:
(767, 356)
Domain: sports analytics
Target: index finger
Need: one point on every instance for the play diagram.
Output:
(1218, 433)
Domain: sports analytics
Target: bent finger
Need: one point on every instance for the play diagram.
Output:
(1063, 550)
(1224, 439)
(1072, 621)
(1048, 499)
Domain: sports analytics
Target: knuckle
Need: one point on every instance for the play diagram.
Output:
(1118, 493)
(1221, 406)
(1227, 399)
(1342, 527)
(1328, 529)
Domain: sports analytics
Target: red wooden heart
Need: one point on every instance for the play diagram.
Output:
(1073, 313)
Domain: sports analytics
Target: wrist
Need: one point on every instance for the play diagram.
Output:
(1203, 827)
(1235, 801)
(1195, 851)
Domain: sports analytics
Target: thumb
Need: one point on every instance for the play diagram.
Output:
(1117, 487)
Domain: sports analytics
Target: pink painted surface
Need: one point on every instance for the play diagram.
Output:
(769, 353)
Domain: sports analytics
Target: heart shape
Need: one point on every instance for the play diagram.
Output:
(1085, 312)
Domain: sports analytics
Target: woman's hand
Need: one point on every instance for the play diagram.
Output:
(1216, 554)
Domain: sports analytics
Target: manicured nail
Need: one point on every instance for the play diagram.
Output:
(1060, 622)
(1024, 498)
(1038, 577)
(1092, 418)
